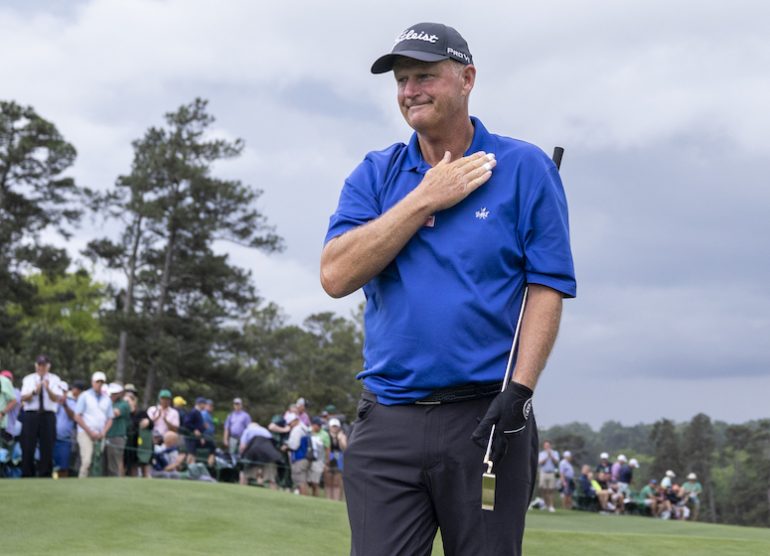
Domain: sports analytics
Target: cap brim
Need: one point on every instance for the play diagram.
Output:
(384, 64)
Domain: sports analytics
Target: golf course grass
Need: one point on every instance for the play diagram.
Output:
(134, 516)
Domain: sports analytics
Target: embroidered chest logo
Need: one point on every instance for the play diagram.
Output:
(482, 213)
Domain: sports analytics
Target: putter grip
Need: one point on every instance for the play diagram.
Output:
(558, 152)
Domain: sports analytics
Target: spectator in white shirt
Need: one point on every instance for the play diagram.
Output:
(93, 414)
(40, 392)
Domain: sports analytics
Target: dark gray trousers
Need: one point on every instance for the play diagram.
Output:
(411, 469)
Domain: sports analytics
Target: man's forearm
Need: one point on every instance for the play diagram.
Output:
(349, 261)
(539, 328)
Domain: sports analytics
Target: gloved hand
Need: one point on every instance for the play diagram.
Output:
(509, 412)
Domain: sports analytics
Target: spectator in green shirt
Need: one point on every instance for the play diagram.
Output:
(7, 399)
(116, 436)
(649, 495)
(690, 492)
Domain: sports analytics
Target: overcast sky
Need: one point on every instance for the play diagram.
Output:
(661, 106)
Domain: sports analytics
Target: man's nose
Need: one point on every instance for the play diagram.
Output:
(411, 88)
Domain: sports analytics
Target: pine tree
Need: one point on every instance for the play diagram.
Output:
(35, 196)
(179, 292)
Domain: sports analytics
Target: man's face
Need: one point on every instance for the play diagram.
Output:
(236, 407)
(432, 94)
(97, 385)
(165, 402)
(42, 368)
(546, 445)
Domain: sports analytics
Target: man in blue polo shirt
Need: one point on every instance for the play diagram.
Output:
(444, 234)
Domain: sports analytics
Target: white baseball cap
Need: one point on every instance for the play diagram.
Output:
(670, 473)
(115, 388)
(692, 477)
(622, 458)
(633, 462)
(98, 375)
(604, 455)
(567, 454)
(334, 422)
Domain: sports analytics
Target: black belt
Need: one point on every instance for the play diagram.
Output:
(454, 394)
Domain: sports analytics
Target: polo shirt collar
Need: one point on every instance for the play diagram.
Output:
(415, 161)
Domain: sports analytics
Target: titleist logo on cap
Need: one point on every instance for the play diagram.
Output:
(412, 35)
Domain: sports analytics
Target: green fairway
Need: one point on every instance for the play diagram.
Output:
(133, 516)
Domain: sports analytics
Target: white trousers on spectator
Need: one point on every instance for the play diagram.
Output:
(86, 446)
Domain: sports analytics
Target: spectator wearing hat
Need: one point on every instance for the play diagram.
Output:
(667, 480)
(299, 444)
(193, 429)
(320, 444)
(338, 443)
(604, 465)
(164, 418)
(650, 496)
(139, 446)
(235, 423)
(626, 475)
(93, 414)
(690, 492)
(280, 431)
(567, 478)
(180, 404)
(8, 402)
(40, 392)
(118, 433)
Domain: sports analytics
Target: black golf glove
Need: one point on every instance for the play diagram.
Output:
(509, 412)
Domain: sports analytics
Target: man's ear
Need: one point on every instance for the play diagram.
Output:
(469, 78)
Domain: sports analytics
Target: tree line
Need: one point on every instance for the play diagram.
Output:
(732, 462)
(182, 315)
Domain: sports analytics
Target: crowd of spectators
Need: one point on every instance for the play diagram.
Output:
(49, 428)
(608, 487)
(54, 429)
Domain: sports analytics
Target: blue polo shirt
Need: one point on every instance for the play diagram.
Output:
(443, 312)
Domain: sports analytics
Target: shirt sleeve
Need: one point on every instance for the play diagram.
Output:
(80, 405)
(173, 418)
(358, 203)
(27, 386)
(56, 386)
(544, 230)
